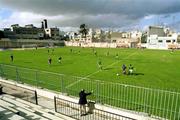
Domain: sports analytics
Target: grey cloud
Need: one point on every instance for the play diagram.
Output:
(108, 20)
(84, 7)
(95, 12)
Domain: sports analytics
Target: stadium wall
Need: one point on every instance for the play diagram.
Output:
(18, 43)
(94, 44)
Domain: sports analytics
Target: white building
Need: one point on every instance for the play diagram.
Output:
(156, 42)
(77, 37)
(52, 33)
(159, 38)
(136, 34)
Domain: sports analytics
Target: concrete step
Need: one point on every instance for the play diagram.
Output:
(46, 110)
(46, 113)
(5, 114)
(23, 112)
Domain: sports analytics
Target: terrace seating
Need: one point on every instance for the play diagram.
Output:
(14, 108)
(7, 114)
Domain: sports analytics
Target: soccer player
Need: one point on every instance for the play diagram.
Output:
(130, 69)
(95, 53)
(117, 56)
(12, 58)
(100, 64)
(59, 59)
(124, 69)
(49, 61)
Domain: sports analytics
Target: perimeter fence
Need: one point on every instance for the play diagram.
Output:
(157, 103)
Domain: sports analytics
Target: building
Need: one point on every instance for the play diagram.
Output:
(136, 35)
(9, 34)
(126, 35)
(156, 30)
(27, 32)
(158, 39)
(116, 36)
(98, 35)
(52, 33)
(73, 36)
(31, 32)
(124, 39)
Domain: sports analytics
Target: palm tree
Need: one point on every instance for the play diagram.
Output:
(83, 30)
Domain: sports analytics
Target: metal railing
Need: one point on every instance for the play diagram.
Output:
(19, 92)
(71, 109)
(156, 103)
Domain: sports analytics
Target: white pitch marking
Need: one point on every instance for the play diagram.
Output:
(97, 72)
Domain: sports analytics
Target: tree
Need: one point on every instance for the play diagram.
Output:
(83, 30)
(1, 34)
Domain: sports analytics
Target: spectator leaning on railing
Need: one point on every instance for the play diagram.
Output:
(83, 101)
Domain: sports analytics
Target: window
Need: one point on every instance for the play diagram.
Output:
(114, 40)
(160, 41)
(168, 41)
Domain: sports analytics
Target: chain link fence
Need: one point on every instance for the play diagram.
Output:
(156, 103)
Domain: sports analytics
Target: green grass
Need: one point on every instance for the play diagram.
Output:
(154, 69)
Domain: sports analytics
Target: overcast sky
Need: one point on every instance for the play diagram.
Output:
(69, 14)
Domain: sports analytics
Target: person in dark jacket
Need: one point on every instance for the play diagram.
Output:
(83, 101)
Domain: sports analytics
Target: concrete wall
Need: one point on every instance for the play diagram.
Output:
(18, 43)
(100, 45)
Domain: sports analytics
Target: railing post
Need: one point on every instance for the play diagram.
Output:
(1, 69)
(36, 79)
(17, 75)
(55, 107)
(36, 98)
(62, 83)
(97, 92)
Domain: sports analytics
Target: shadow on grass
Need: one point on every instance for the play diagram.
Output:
(108, 68)
(136, 74)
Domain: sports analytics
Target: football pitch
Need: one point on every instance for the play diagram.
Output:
(152, 68)
(153, 87)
